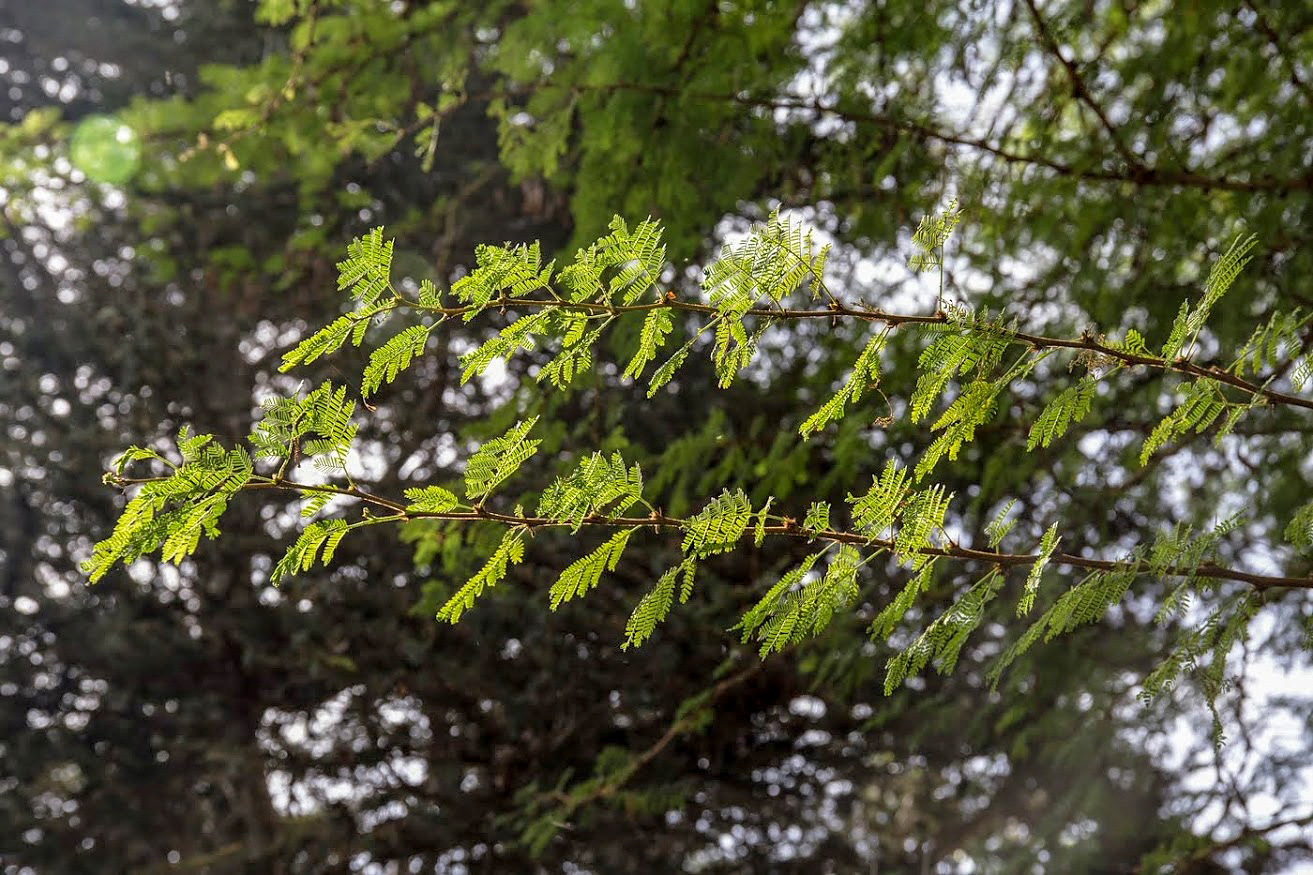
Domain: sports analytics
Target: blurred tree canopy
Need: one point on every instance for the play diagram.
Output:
(179, 180)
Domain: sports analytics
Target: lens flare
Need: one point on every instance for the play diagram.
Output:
(105, 149)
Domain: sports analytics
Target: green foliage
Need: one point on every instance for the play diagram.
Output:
(745, 291)
(656, 327)
(644, 107)
(1273, 342)
(1299, 531)
(1000, 525)
(957, 425)
(584, 573)
(773, 261)
(318, 541)
(865, 375)
(431, 499)
(818, 517)
(968, 343)
(892, 614)
(501, 272)
(876, 511)
(1069, 407)
(509, 552)
(623, 263)
(655, 605)
(666, 372)
(367, 270)
(393, 357)
(498, 459)
(1213, 637)
(333, 336)
(802, 603)
(515, 337)
(942, 640)
(598, 485)
(318, 427)
(719, 526)
(931, 236)
(1190, 320)
(922, 515)
(1081, 605)
(1202, 405)
(172, 513)
(1047, 545)
(575, 358)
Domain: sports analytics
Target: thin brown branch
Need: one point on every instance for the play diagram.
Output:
(1081, 91)
(1138, 173)
(1088, 343)
(785, 528)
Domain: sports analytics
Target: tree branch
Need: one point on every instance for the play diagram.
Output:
(785, 527)
(838, 310)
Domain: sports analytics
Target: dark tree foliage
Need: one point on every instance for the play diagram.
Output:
(198, 718)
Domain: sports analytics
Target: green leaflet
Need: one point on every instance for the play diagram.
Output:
(319, 427)
(892, 614)
(999, 527)
(865, 375)
(664, 373)
(958, 424)
(173, 514)
(942, 640)
(1271, 342)
(575, 358)
(623, 263)
(599, 484)
(1190, 320)
(318, 541)
(509, 552)
(775, 259)
(733, 349)
(818, 517)
(314, 503)
(1048, 543)
(1134, 343)
(655, 605)
(367, 268)
(510, 340)
(930, 237)
(430, 499)
(502, 271)
(719, 526)
(1084, 603)
(1299, 531)
(498, 459)
(393, 357)
(802, 603)
(922, 516)
(1212, 639)
(1070, 406)
(1203, 403)
(333, 336)
(968, 343)
(583, 574)
(656, 326)
(875, 511)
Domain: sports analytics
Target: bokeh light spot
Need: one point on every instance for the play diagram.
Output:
(105, 149)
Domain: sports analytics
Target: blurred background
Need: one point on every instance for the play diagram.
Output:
(177, 180)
